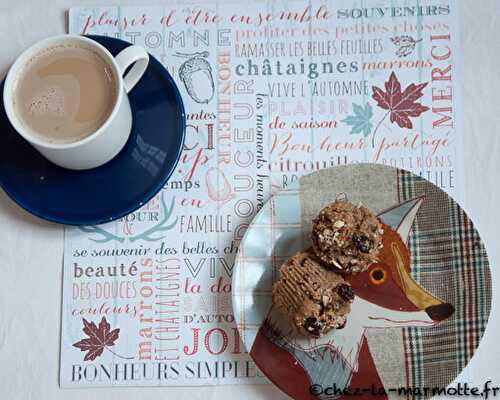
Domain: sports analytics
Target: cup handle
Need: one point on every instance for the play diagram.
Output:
(132, 55)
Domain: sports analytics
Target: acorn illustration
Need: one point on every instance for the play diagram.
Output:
(196, 74)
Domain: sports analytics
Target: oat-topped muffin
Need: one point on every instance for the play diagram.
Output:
(314, 299)
(347, 237)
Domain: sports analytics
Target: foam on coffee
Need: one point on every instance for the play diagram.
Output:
(64, 93)
(48, 101)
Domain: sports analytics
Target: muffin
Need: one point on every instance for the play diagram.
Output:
(314, 299)
(346, 237)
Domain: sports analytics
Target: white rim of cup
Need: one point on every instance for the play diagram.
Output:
(30, 52)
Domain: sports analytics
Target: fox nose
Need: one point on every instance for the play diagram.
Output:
(439, 312)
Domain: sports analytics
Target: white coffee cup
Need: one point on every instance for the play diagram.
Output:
(107, 141)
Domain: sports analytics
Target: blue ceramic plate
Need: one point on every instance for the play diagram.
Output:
(117, 188)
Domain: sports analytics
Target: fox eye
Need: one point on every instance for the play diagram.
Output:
(378, 275)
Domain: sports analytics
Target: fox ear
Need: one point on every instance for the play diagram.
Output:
(401, 217)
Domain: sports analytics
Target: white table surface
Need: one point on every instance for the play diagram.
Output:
(31, 250)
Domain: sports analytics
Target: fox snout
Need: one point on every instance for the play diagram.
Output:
(391, 294)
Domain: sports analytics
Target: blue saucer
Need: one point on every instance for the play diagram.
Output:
(117, 188)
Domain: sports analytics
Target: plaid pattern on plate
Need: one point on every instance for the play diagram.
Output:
(448, 259)
(272, 238)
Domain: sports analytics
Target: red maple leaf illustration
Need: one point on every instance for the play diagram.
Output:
(99, 338)
(401, 105)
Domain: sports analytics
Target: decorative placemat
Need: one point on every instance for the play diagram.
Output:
(272, 90)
